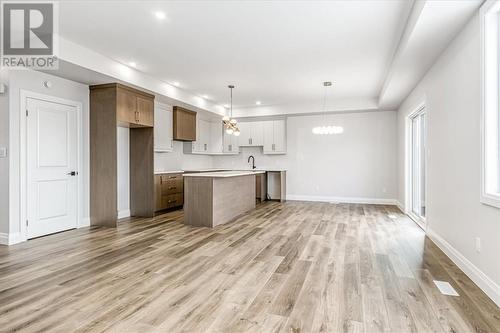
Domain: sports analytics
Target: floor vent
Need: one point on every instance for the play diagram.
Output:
(445, 288)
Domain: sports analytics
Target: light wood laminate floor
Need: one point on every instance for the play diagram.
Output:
(292, 267)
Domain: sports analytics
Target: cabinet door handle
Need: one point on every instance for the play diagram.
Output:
(161, 180)
(230, 147)
(273, 146)
(205, 146)
(172, 188)
(172, 177)
(249, 141)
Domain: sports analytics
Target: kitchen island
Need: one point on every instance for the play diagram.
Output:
(214, 198)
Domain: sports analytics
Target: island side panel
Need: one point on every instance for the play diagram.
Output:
(198, 202)
(232, 197)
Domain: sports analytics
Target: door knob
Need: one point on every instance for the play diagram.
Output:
(72, 173)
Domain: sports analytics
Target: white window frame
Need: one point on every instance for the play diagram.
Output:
(419, 220)
(490, 108)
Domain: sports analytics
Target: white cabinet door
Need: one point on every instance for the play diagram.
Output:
(163, 135)
(216, 144)
(257, 133)
(231, 143)
(279, 135)
(268, 127)
(204, 136)
(245, 133)
(235, 145)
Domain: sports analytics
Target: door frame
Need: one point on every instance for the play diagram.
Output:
(421, 222)
(23, 135)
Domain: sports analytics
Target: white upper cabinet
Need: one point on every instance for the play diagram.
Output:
(209, 139)
(216, 144)
(163, 128)
(274, 137)
(252, 133)
(202, 143)
(231, 143)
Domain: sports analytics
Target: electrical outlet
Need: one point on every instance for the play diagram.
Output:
(3, 152)
(478, 244)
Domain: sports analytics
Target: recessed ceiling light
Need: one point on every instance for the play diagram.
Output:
(176, 83)
(258, 103)
(132, 64)
(160, 15)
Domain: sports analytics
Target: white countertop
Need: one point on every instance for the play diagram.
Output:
(218, 170)
(224, 174)
(266, 169)
(167, 172)
(207, 170)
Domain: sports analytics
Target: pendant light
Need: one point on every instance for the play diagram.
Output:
(322, 130)
(230, 124)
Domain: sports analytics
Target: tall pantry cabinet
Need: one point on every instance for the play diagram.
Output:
(113, 105)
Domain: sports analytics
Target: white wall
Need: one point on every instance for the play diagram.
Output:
(123, 171)
(33, 81)
(4, 162)
(451, 91)
(358, 165)
(177, 160)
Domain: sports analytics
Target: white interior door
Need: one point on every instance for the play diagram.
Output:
(52, 173)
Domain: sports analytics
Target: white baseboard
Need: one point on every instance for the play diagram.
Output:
(123, 213)
(11, 239)
(372, 201)
(401, 206)
(4, 238)
(475, 274)
(85, 222)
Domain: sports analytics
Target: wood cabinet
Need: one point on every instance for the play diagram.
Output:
(252, 134)
(184, 124)
(134, 108)
(274, 137)
(163, 130)
(113, 105)
(169, 191)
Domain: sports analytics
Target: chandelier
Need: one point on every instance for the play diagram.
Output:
(324, 130)
(230, 124)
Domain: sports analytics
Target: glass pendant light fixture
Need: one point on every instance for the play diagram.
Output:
(323, 130)
(230, 124)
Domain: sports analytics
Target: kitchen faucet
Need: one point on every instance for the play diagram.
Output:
(253, 161)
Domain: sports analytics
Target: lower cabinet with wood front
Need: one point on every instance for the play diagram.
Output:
(169, 191)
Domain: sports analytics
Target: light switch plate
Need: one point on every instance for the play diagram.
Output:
(3, 152)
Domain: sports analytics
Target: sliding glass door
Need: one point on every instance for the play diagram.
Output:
(418, 166)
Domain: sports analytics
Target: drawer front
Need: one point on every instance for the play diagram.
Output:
(172, 186)
(172, 200)
(170, 177)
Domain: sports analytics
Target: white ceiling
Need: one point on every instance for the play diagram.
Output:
(278, 52)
